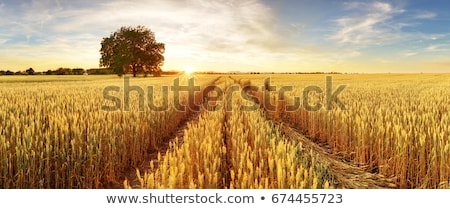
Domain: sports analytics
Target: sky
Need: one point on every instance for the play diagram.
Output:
(235, 35)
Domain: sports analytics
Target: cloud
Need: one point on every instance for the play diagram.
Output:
(437, 48)
(4, 38)
(410, 54)
(435, 36)
(370, 24)
(425, 15)
(354, 54)
(193, 23)
(195, 30)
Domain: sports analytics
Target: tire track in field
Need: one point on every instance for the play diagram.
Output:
(346, 175)
(130, 175)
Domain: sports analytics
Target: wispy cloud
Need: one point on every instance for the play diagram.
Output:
(436, 36)
(370, 24)
(437, 48)
(409, 54)
(425, 15)
(192, 30)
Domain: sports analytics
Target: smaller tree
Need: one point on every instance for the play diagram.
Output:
(30, 71)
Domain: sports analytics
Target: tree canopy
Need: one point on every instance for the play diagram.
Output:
(132, 50)
(30, 71)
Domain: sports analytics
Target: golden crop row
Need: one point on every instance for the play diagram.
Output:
(261, 157)
(54, 133)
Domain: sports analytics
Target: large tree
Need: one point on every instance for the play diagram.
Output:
(132, 50)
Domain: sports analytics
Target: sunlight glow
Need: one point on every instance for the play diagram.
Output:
(188, 69)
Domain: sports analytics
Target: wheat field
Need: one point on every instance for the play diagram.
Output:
(55, 134)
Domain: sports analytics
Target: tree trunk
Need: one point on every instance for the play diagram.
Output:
(134, 69)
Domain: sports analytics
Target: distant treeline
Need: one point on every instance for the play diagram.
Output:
(71, 71)
(60, 71)
(106, 71)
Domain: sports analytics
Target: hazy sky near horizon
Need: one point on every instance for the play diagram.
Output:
(235, 35)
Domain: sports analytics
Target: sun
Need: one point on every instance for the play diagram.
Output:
(188, 69)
